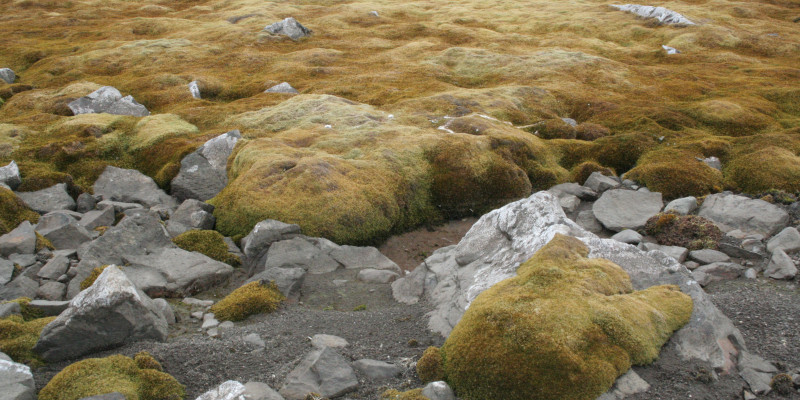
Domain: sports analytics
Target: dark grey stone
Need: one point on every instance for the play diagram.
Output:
(108, 100)
(62, 230)
(289, 27)
(131, 186)
(21, 240)
(43, 201)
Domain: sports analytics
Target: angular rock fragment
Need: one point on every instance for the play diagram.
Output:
(288, 27)
(203, 173)
(322, 371)
(284, 87)
(43, 201)
(663, 15)
(9, 175)
(108, 100)
(131, 186)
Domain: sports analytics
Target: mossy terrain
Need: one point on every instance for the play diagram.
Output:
(691, 231)
(429, 366)
(18, 336)
(116, 373)
(252, 298)
(424, 112)
(564, 328)
(413, 394)
(13, 211)
(210, 243)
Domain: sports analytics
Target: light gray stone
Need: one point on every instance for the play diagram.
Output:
(712, 162)
(626, 385)
(288, 280)
(284, 87)
(620, 209)
(9, 175)
(581, 192)
(93, 219)
(228, 390)
(21, 240)
(708, 256)
(780, 266)
(194, 90)
(587, 220)
(257, 243)
(260, 391)
(717, 272)
(16, 381)
(751, 273)
(108, 314)
(21, 286)
(370, 275)
(310, 254)
(661, 14)
(353, 257)
(756, 371)
(376, 370)
(628, 236)
(787, 240)
(165, 309)
(8, 75)
(288, 27)
(676, 252)
(438, 390)
(118, 206)
(182, 272)
(321, 341)
(8, 309)
(600, 183)
(23, 260)
(85, 203)
(569, 203)
(62, 230)
(51, 290)
(108, 100)
(49, 308)
(203, 173)
(255, 340)
(197, 302)
(130, 186)
(44, 201)
(682, 206)
(731, 212)
(191, 214)
(322, 371)
(6, 271)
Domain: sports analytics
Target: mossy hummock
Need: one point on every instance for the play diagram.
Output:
(564, 328)
(13, 211)
(676, 173)
(691, 231)
(210, 243)
(18, 336)
(253, 298)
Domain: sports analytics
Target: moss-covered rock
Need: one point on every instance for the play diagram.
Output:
(564, 328)
(13, 211)
(18, 336)
(581, 172)
(146, 361)
(252, 298)
(28, 313)
(429, 366)
(210, 243)
(676, 173)
(554, 128)
(691, 231)
(116, 373)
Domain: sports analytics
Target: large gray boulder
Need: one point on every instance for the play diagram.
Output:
(108, 314)
(16, 380)
(731, 212)
(322, 371)
(62, 230)
(203, 173)
(780, 266)
(174, 272)
(9, 175)
(21, 286)
(288, 27)
(108, 100)
(621, 209)
(663, 15)
(131, 186)
(288, 280)
(787, 240)
(504, 238)
(310, 254)
(257, 243)
(21, 240)
(7, 75)
(43, 201)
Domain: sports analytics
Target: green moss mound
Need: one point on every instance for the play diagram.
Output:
(589, 131)
(770, 167)
(621, 152)
(393, 394)
(28, 313)
(115, 373)
(18, 336)
(210, 243)
(690, 231)
(564, 328)
(554, 128)
(429, 366)
(581, 172)
(676, 173)
(252, 298)
(13, 211)
(146, 361)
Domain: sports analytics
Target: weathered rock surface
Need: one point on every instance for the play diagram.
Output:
(731, 212)
(626, 385)
(780, 266)
(676, 252)
(95, 218)
(708, 256)
(600, 183)
(9, 175)
(756, 371)
(47, 200)
(322, 371)
(321, 341)
(194, 90)
(310, 254)
(581, 192)
(787, 240)
(109, 313)
(438, 390)
(203, 173)
(354, 257)
(628, 236)
(502, 239)
(370, 275)
(6, 271)
(682, 206)
(21, 286)
(621, 209)
(63, 230)
(228, 390)
(191, 214)
(717, 271)
(16, 380)
(284, 87)
(260, 391)
(51, 290)
(288, 280)
(663, 15)
(108, 100)
(131, 186)
(376, 370)
(8, 309)
(8, 75)
(21, 240)
(175, 272)
(288, 27)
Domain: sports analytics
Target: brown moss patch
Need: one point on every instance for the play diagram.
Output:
(429, 366)
(690, 231)
(676, 173)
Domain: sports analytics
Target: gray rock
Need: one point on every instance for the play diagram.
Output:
(370, 275)
(682, 206)
(85, 203)
(663, 15)
(260, 391)
(108, 100)
(51, 290)
(16, 381)
(21, 286)
(717, 272)
(288, 280)
(353, 257)
(756, 371)
(438, 390)
(626, 385)
(23, 260)
(310, 254)
(229, 390)
(197, 302)
(9, 175)
(49, 308)
(118, 206)
(738, 252)
(781, 266)
(209, 321)
(172, 272)
(321, 341)
(628, 236)
(376, 370)
(751, 273)
(284, 87)
(787, 240)
(620, 209)
(95, 218)
(496, 245)
(6, 271)
(581, 192)
(288, 27)
(191, 214)
(676, 252)
(670, 50)
(255, 340)
(708, 256)
(131, 186)
(226, 325)
(712, 161)
(108, 314)
(21, 240)
(8, 75)
(600, 183)
(8, 309)
(194, 89)
(107, 396)
(322, 371)
(43, 201)
(62, 230)
(165, 309)
(569, 203)
(731, 212)
(587, 220)
(203, 173)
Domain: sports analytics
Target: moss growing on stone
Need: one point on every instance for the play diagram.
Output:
(429, 366)
(564, 328)
(18, 336)
(28, 313)
(676, 173)
(211, 243)
(92, 277)
(13, 211)
(43, 243)
(252, 298)
(115, 373)
(581, 172)
(690, 231)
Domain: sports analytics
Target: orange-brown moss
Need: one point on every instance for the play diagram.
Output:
(676, 173)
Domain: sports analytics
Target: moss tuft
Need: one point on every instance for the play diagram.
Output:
(146, 361)
(564, 328)
(252, 298)
(554, 128)
(782, 384)
(581, 172)
(393, 394)
(43, 243)
(690, 231)
(115, 373)
(18, 336)
(429, 366)
(210, 243)
(92, 277)
(589, 131)
(13, 211)
(28, 313)
(676, 173)
(621, 152)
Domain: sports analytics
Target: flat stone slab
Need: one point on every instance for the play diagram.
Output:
(731, 212)
(621, 209)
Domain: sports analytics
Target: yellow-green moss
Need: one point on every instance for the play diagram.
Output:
(13, 211)
(564, 328)
(252, 298)
(581, 172)
(18, 336)
(115, 373)
(429, 366)
(92, 277)
(676, 173)
(28, 313)
(146, 361)
(210, 243)
(589, 131)
(413, 394)
(554, 128)
(37, 176)
(731, 117)
(43, 243)
(770, 167)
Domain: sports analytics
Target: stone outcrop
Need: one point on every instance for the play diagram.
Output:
(130, 186)
(663, 15)
(288, 27)
(203, 172)
(108, 100)
(54, 198)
